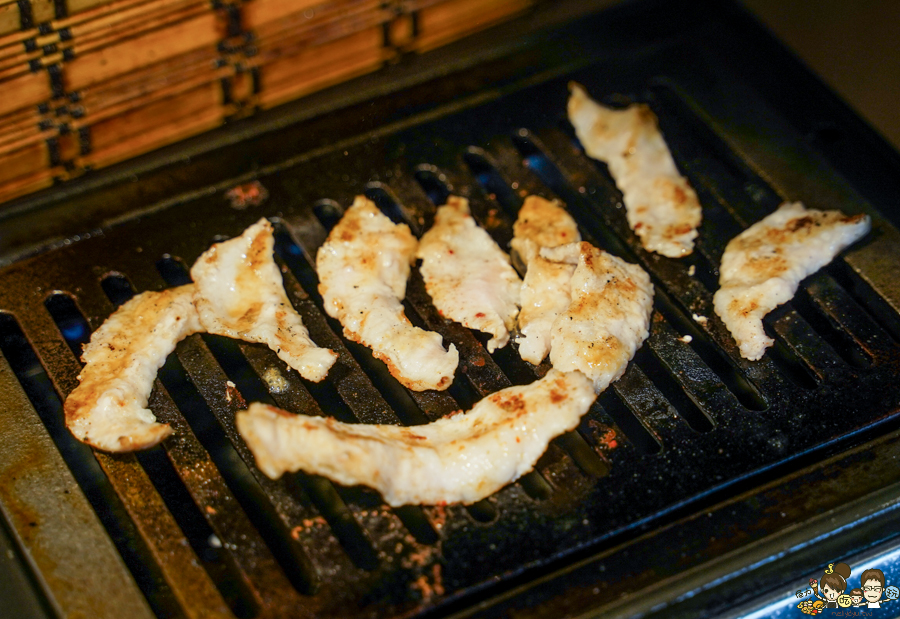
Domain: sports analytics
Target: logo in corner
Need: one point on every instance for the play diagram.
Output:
(832, 590)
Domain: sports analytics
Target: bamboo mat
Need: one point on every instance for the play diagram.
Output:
(87, 83)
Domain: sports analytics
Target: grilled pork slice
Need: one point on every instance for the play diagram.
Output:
(240, 294)
(467, 275)
(608, 318)
(545, 295)
(763, 265)
(545, 291)
(363, 267)
(660, 205)
(542, 223)
(108, 409)
(461, 458)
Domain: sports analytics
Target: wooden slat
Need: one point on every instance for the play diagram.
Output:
(26, 184)
(155, 125)
(12, 68)
(447, 21)
(24, 162)
(138, 53)
(10, 21)
(42, 10)
(259, 12)
(402, 31)
(98, 10)
(12, 51)
(68, 149)
(148, 81)
(99, 109)
(16, 37)
(320, 66)
(92, 39)
(30, 89)
(77, 7)
(322, 26)
(23, 137)
(18, 126)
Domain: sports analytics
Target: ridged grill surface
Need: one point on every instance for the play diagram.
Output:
(199, 531)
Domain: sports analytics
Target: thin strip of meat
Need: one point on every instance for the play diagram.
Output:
(363, 268)
(763, 265)
(661, 206)
(608, 318)
(545, 295)
(108, 409)
(240, 294)
(545, 291)
(542, 223)
(461, 458)
(467, 275)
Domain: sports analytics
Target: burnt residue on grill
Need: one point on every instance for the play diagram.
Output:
(203, 533)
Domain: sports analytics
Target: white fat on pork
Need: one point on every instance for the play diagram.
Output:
(363, 268)
(545, 289)
(240, 294)
(608, 317)
(108, 409)
(467, 275)
(462, 458)
(763, 265)
(661, 206)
